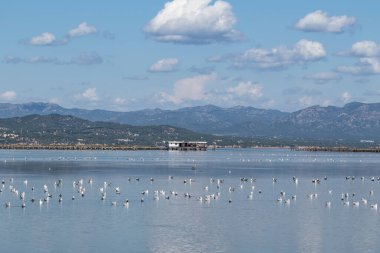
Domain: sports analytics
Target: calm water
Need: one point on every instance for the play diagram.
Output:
(179, 224)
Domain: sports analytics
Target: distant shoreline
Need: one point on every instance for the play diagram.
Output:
(74, 147)
(339, 149)
(88, 147)
(84, 147)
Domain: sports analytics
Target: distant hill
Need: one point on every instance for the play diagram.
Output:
(64, 129)
(352, 122)
(206, 119)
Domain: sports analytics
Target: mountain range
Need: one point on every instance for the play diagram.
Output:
(66, 129)
(352, 122)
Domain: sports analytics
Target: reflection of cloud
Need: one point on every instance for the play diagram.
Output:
(309, 231)
(188, 227)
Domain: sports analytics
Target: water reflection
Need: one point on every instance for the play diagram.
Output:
(252, 222)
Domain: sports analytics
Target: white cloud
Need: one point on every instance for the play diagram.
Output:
(346, 97)
(365, 48)
(119, 101)
(326, 102)
(43, 39)
(8, 95)
(89, 94)
(86, 58)
(47, 38)
(309, 50)
(54, 101)
(83, 29)
(365, 66)
(248, 89)
(319, 21)
(194, 21)
(323, 77)
(306, 101)
(187, 89)
(281, 57)
(368, 63)
(164, 65)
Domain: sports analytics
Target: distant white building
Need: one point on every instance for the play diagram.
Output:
(186, 145)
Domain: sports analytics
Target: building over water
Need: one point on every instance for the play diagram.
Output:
(186, 145)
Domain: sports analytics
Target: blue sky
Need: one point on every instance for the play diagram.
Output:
(129, 55)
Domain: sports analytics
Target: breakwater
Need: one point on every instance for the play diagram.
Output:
(338, 149)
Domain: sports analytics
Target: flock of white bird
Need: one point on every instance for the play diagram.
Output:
(107, 189)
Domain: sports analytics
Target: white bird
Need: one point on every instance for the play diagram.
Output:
(328, 203)
(126, 203)
(374, 206)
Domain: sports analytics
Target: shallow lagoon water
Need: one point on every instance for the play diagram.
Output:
(179, 224)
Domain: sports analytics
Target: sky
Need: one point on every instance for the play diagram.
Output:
(131, 55)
